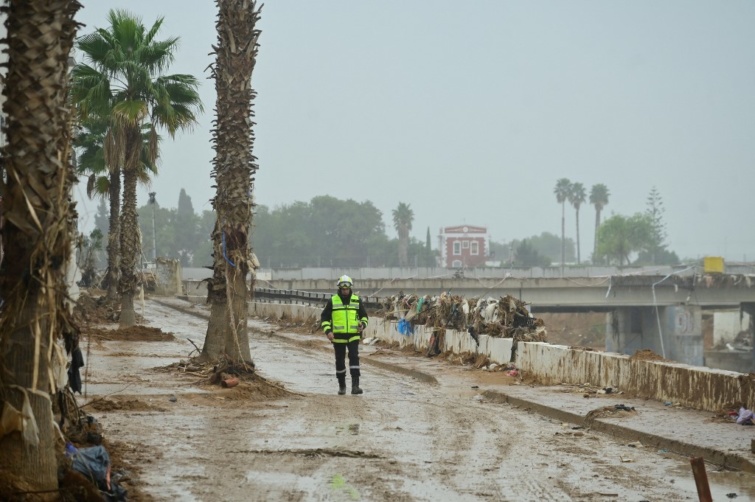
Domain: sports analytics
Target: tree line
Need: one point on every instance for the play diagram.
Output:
(311, 234)
(300, 234)
(620, 238)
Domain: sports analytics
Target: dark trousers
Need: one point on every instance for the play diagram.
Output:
(340, 349)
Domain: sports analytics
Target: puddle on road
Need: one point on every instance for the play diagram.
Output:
(722, 483)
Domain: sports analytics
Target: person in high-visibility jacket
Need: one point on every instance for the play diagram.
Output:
(343, 320)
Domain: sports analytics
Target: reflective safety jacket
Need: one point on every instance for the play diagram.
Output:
(343, 318)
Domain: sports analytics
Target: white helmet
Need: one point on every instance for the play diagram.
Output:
(344, 280)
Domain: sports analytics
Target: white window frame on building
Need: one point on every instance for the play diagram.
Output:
(474, 248)
(457, 248)
(464, 244)
(456, 264)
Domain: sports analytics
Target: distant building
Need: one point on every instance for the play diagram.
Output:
(463, 246)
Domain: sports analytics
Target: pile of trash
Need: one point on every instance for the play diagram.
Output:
(506, 317)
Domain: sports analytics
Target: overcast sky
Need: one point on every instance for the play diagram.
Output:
(471, 111)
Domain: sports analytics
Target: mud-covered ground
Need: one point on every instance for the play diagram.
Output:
(421, 431)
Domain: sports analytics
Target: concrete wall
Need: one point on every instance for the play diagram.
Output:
(498, 350)
(694, 387)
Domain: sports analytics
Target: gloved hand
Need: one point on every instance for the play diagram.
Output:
(329, 334)
(361, 327)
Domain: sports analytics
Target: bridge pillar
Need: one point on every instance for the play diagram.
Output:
(750, 309)
(674, 332)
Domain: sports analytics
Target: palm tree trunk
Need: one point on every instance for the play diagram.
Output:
(129, 231)
(595, 242)
(403, 248)
(233, 170)
(36, 211)
(227, 333)
(563, 236)
(113, 238)
(579, 258)
(25, 348)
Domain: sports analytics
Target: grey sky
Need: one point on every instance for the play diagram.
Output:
(471, 111)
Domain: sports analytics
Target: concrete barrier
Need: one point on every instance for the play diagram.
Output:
(691, 386)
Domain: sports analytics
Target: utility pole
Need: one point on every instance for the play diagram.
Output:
(153, 202)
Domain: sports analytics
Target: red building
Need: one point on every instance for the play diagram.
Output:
(463, 246)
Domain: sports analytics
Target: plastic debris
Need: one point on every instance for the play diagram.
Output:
(745, 417)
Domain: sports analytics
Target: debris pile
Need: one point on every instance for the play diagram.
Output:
(506, 317)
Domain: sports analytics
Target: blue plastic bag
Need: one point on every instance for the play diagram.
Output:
(405, 327)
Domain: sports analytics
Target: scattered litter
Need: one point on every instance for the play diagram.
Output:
(745, 417)
(636, 444)
(626, 459)
(668, 403)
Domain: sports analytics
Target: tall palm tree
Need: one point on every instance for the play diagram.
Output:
(35, 190)
(234, 166)
(122, 79)
(103, 180)
(562, 192)
(576, 199)
(403, 217)
(598, 198)
(95, 160)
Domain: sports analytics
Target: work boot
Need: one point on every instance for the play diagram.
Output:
(355, 386)
(341, 390)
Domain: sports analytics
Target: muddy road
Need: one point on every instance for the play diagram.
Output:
(422, 434)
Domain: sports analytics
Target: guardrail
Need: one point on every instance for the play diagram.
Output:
(306, 297)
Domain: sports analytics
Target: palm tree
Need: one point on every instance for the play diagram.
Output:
(403, 216)
(234, 166)
(562, 192)
(598, 198)
(576, 199)
(95, 160)
(124, 82)
(35, 190)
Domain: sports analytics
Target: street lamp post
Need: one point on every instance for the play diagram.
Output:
(153, 202)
